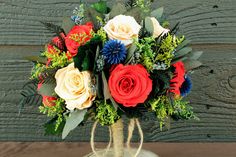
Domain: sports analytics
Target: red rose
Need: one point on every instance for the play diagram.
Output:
(48, 101)
(78, 35)
(178, 78)
(130, 85)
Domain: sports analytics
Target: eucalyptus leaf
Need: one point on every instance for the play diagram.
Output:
(157, 13)
(96, 57)
(183, 52)
(99, 87)
(115, 105)
(149, 25)
(42, 60)
(130, 53)
(74, 119)
(183, 44)
(47, 89)
(67, 24)
(136, 13)
(191, 64)
(106, 91)
(195, 55)
(178, 60)
(91, 16)
(97, 53)
(117, 9)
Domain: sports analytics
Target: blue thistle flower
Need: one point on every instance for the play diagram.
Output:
(114, 52)
(186, 86)
(76, 19)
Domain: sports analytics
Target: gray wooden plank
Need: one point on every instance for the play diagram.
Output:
(202, 21)
(213, 99)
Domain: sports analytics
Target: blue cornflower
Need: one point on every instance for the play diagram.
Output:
(114, 52)
(186, 86)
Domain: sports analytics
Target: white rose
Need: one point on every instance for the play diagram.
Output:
(74, 87)
(123, 28)
(158, 29)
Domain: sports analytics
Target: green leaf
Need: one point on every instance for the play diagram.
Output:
(42, 60)
(130, 53)
(67, 24)
(191, 64)
(96, 57)
(74, 119)
(79, 58)
(178, 60)
(183, 52)
(100, 7)
(117, 9)
(99, 87)
(183, 44)
(50, 127)
(106, 91)
(86, 63)
(136, 13)
(48, 88)
(149, 25)
(195, 55)
(91, 16)
(157, 13)
(86, 54)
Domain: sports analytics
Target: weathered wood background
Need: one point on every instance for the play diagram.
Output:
(210, 24)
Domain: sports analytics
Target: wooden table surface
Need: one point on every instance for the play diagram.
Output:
(45, 149)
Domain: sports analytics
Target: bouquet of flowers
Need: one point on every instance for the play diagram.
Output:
(104, 63)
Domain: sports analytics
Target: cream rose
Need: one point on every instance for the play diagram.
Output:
(158, 29)
(123, 28)
(74, 87)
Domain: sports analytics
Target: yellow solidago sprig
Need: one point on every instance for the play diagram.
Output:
(106, 113)
(55, 111)
(167, 48)
(162, 107)
(58, 60)
(102, 34)
(37, 70)
(165, 107)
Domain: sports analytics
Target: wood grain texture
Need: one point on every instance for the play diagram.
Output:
(39, 149)
(202, 21)
(213, 99)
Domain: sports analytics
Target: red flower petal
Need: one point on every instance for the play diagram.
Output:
(130, 85)
(178, 78)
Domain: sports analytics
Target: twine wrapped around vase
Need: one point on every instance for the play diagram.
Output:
(116, 131)
(118, 138)
(92, 141)
(130, 135)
